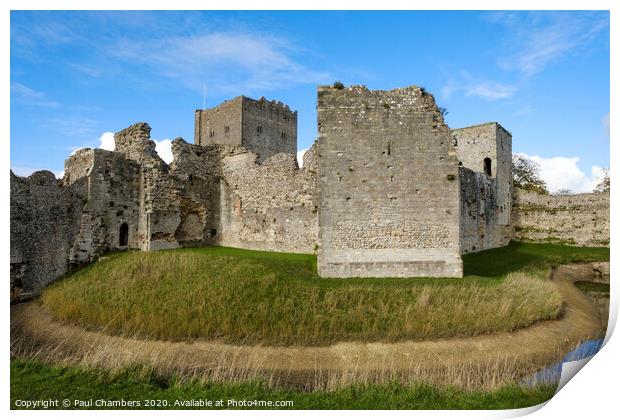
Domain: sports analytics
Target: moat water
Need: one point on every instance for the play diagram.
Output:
(550, 375)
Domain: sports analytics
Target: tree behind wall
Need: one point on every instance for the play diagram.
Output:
(526, 175)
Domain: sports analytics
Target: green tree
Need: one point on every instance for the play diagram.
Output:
(526, 175)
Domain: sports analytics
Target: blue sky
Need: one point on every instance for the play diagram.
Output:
(542, 75)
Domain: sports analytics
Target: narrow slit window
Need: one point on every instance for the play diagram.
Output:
(487, 166)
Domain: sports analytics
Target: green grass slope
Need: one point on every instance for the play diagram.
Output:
(240, 296)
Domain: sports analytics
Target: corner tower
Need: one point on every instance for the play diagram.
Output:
(487, 148)
(265, 127)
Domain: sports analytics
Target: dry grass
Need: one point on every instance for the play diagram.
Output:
(484, 362)
(278, 300)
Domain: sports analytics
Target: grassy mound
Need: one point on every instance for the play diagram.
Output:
(241, 296)
(35, 381)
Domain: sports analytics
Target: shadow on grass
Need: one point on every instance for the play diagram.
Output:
(485, 267)
(518, 256)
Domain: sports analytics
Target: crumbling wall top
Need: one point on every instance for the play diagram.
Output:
(136, 144)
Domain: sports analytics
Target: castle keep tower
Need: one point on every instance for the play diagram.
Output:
(265, 127)
(388, 185)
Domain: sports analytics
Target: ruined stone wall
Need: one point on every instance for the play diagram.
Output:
(388, 182)
(44, 219)
(272, 206)
(196, 172)
(219, 125)
(159, 204)
(113, 200)
(245, 204)
(580, 219)
(269, 128)
(479, 230)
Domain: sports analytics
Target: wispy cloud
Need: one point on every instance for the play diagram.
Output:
(468, 85)
(490, 90)
(228, 62)
(541, 38)
(74, 127)
(32, 97)
(91, 71)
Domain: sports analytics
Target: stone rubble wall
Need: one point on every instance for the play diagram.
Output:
(45, 219)
(272, 206)
(113, 199)
(579, 219)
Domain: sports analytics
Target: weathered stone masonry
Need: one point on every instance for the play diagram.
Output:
(388, 182)
(579, 219)
(387, 190)
(265, 127)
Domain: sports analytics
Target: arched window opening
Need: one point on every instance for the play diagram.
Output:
(123, 237)
(487, 166)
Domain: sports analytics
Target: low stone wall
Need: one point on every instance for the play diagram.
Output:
(580, 219)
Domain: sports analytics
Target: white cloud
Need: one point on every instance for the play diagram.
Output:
(564, 173)
(29, 96)
(164, 149)
(300, 157)
(227, 62)
(106, 141)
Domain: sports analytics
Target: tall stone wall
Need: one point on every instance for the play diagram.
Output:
(489, 141)
(479, 228)
(45, 219)
(388, 185)
(580, 219)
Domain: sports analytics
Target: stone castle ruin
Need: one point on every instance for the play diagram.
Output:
(387, 190)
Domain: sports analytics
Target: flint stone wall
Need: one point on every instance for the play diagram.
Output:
(45, 219)
(479, 228)
(579, 219)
